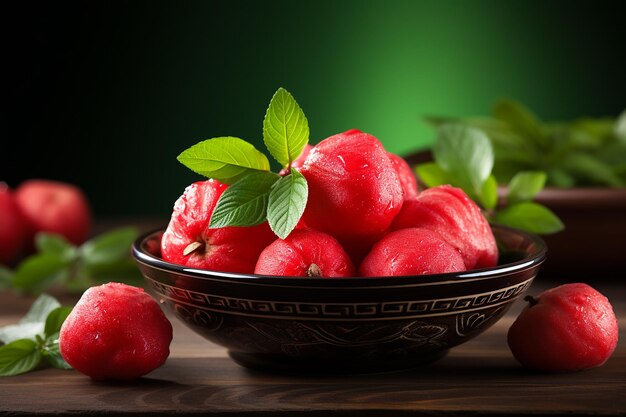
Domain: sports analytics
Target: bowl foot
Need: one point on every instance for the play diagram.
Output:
(322, 366)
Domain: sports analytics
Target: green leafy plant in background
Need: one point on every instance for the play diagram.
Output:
(58, 263)
(464, 157)
(33, 342)
(256, 194)
(582, 152)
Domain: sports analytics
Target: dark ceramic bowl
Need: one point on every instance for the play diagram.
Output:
(348, 325)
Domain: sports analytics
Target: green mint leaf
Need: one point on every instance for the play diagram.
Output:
(18, 357)
(522, 120)
(55, 320)
(529, 216)
(6, 277)
(524, 186)
(489, 193)
(285, 128)
(287, 201)
(54, 244)
(466, 154)
(589, 170)
(40, 309)
(32, 324)
(432, 175)
(52, 354)
(109, 247)
(40, 271)
(245, 202)
(225, 159)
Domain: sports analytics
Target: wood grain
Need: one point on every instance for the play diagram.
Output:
(480, 377)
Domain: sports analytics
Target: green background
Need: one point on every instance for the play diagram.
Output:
(106, 95)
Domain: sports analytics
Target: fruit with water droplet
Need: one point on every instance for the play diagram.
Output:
(115, 332)
(411, 251)
(568, 328)
(305, 253)
(189, 241)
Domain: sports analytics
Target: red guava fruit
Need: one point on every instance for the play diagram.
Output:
(189, 241)
(305, 253)
(354, 190)
(450, 212)
(55, 207)
(115, 332)
(13, 229)
(407, 178)
(412, 251)
(568, 328)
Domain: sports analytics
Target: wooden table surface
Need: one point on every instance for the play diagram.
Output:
(478, 378)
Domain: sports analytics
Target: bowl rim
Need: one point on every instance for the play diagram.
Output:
(143, 257)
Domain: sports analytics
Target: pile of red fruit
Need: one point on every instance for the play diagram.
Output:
(364, 217)
(39, 205)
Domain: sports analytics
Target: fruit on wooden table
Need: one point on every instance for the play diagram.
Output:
(568, 328)
(115, 332)
(189, 241)
(305, 253)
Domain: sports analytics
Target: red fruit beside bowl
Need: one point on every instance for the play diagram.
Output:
(342, 325)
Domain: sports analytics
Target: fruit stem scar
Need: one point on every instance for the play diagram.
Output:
(531, 300)
(192, 247)
(314, 271)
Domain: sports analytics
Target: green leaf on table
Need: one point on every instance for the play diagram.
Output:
(40, 271)
(287, 201)
(489, 193)
(524, 186)
(18, 357)
(285, 128)
(109, 247)
(529, 216)
(466, 154)
(522, 120)
(245, 202)
(225, 159)
(55, 320)
(50, 351)
(54, 244)
(33, 322)
(432, 175)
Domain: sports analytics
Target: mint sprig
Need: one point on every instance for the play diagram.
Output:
(58, 262)
(34, 341)
(255, 194)
(464, 157)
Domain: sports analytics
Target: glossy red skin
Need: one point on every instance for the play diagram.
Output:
(13, 230)
(408, 180)
(294, 255)
(354, 191)
(227, 249)
(412, 251)
(572, 327)
(450, 212)
(115, 332)
(55, 207)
